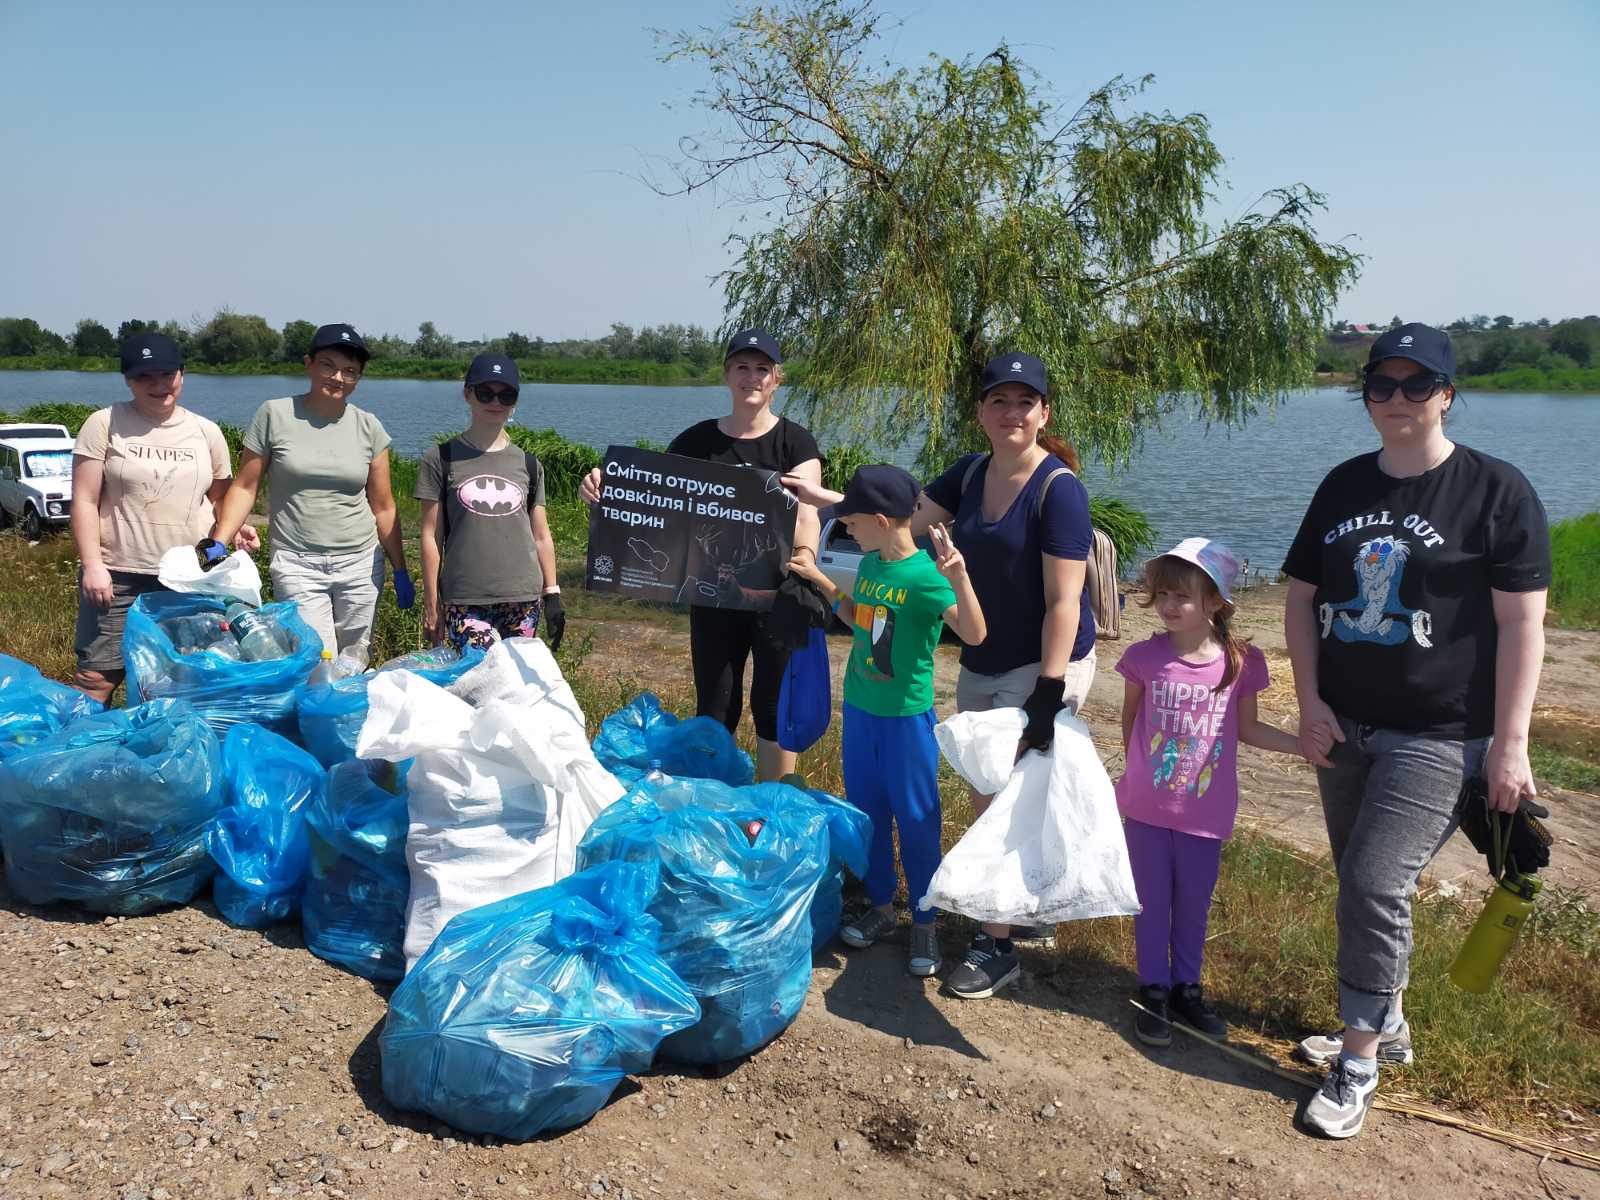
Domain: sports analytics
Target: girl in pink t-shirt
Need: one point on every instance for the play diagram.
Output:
(1189, 699)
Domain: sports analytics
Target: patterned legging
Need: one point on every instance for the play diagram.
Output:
(483, 625)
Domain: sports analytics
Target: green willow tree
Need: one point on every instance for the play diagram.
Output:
(925, 220)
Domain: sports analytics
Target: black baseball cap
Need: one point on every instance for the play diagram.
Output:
(340, 337)
(880, 488)
(753, 338)
(152, 353)
(493, 368)
(1013, 368)
(1421, 344)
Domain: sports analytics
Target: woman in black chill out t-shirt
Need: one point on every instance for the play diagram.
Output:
(722, 641)
(1415, 626)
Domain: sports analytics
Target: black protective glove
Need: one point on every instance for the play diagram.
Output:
(1526, 843)
(1041, 709)
(555, 621)
(211, 553)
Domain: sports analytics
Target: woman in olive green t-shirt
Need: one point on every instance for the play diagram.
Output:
(332, 513)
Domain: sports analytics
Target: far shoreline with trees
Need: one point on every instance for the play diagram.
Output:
(1495, 354)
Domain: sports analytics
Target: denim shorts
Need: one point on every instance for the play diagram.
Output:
(1390, 801)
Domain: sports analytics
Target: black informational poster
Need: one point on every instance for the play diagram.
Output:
(686, 531)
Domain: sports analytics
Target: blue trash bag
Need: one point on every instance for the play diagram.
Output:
(259, 839)
(353, 909)
(805, 699)
(110, 812)
(224, 691)
(330, 715)
(525, 1014)
(32, 707)
(633, 737)
(849, 840)
(734, 910)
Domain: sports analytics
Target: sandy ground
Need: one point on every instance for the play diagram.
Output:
(174, 1056)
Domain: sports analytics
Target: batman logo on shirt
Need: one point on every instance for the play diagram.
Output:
(490, 496)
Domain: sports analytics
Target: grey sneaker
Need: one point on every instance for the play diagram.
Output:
(1341, 1103)
(1394, 1049)
(924, 960)
(869, 927)
(984, 971)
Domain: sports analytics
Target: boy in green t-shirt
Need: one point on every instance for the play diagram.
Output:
(891, 762)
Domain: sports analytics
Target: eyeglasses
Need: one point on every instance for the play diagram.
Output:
(332, 370)
(485, 393)
(1380, 389)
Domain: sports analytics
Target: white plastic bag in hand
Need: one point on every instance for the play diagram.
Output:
(500, 795)
(234, 578)
(982, 746)
(1049, 847)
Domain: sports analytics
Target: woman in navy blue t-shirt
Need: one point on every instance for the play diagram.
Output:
(1020, 517)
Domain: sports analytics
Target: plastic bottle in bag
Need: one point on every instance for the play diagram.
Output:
(350, 662)
(324, 671)
(225, 646)
(430, 659)
(256, 640)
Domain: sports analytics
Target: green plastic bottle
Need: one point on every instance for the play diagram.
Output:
(1494, 933)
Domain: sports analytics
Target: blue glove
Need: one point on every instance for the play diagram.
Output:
(405, 593)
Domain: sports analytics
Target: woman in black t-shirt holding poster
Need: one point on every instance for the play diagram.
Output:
(723, 640)
(1415, 626)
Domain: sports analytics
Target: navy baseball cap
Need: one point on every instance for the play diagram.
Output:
(1421, 344)
(881, 488)
(493, 368)
(1013, 368)
(753, 339)
(340, 337)
(152, 353)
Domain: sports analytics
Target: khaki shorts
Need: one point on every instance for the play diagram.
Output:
(980, 693)
(98, 639)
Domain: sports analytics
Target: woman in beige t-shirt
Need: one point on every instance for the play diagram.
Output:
(146, 475)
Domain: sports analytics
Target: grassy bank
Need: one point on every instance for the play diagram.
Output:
(1535, 379)
(1575, 584)
(532, 370)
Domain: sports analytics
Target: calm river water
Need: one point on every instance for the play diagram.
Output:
(1248, 487)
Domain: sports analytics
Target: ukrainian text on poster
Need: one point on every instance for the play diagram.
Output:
(685, 531)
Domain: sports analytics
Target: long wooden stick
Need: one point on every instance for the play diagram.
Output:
(1575, 1158)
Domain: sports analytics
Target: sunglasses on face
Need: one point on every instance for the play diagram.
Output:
(1379, 389)
(484, 393)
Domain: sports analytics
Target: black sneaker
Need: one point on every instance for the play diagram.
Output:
(985, 970)
(1150, 1024)
(1188, 1004)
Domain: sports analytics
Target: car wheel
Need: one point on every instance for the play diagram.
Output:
(32, 526)
(5, 518)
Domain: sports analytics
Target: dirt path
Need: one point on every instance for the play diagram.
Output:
(174, 1056)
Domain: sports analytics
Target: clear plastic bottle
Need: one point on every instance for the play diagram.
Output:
(253, 633)
(324, 671)
(225, 646)
(424, 660)
(655, 774)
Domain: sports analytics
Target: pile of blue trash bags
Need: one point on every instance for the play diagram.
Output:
(685, 933)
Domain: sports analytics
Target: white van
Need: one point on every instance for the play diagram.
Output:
(35, 478)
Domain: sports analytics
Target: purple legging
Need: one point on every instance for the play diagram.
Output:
(1175, 874)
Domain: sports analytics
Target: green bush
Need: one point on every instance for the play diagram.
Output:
(1575, 584)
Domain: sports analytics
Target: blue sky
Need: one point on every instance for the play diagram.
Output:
(479, 164)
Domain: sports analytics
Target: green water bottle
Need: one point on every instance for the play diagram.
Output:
(1494, 933)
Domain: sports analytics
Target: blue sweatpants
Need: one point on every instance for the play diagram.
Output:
(891, 773)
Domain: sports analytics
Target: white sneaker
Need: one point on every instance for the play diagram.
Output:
(1341, 1103)
(1394, 1049)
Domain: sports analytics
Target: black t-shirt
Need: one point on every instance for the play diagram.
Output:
(1403, 569)
(782, 448)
